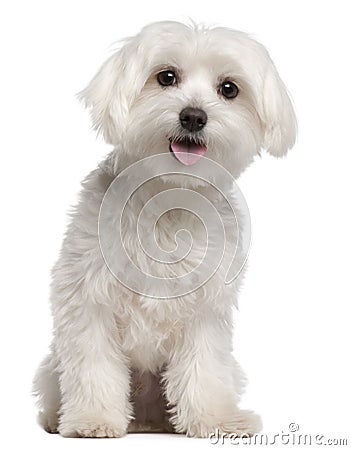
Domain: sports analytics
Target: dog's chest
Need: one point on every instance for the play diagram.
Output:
(147, 332)
(170, 229)
(168, 246)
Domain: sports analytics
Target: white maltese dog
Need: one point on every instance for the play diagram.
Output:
(143, 342)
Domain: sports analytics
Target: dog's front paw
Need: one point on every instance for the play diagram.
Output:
(95, 427)
(242, 423)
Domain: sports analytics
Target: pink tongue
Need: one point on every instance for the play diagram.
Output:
(188, 153)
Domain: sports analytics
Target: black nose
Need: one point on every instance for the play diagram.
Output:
(193, 119)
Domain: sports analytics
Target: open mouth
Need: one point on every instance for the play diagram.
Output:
(187, 150)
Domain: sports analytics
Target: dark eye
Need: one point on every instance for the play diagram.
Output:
(229, 89)
(167, 78)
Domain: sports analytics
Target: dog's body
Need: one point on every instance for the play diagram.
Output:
(121, 360)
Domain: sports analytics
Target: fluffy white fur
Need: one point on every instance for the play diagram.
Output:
(109, 342)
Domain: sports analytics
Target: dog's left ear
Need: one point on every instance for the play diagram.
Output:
(276, 111)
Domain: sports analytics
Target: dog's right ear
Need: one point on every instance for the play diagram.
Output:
(99, 97)
(110, 94)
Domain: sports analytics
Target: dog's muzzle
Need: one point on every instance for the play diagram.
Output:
(188, 150)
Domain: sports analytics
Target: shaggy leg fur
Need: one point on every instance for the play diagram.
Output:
(94, 376)
(203, 384)
(46, 388)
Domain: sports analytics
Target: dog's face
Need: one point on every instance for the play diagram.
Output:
(192, 91)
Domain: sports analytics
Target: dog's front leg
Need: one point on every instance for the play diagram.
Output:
(94, 377)
(203, 382)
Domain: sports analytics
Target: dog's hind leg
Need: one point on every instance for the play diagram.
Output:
(149, 404)
(46, 389)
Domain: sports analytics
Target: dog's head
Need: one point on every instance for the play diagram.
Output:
(192, 91)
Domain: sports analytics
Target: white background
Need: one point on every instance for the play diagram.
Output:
(293, 329)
